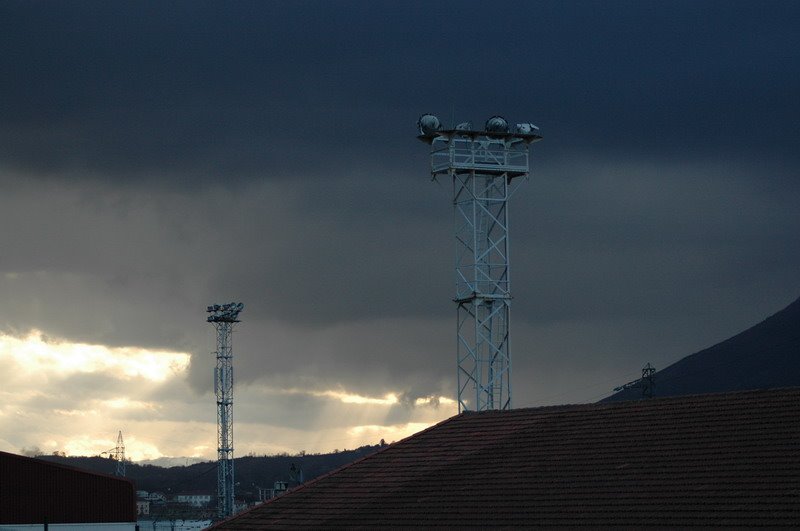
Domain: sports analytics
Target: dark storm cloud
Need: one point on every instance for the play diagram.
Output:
(610, 237)
(157, 158)
(205, 90)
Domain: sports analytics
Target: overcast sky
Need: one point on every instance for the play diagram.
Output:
(159, 157)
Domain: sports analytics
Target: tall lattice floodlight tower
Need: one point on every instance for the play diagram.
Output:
(484, 166)
(224, 317)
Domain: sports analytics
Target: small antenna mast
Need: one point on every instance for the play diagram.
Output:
(646, 383)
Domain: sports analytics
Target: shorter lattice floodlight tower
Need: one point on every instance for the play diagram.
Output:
(224, 317)
(484, 165)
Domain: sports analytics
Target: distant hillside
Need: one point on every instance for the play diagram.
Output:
(764, 356)
(251, 471)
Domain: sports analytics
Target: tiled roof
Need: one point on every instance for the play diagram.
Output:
(715, 460)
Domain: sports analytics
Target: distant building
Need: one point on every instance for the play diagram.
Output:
(194, 499)
(279, 487)
(34, 492)
(156, 497)
(717, 461)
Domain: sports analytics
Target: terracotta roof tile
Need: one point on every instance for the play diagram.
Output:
(711, 460)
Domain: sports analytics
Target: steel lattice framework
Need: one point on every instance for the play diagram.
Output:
(482, 166)
(119, 456)
(224, 317)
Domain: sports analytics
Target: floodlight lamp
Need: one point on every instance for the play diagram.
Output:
(210, 309)
(216, 307)
(240, 306)
(497, 124)
(526, 129)
(464, 126)
(428, 125)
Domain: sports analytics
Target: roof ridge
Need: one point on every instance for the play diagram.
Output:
(626, 403)
(718, 394)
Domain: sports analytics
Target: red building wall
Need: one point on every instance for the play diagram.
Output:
(34, 491)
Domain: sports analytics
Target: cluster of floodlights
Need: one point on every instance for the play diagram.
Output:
(430, 126)
(224, 313)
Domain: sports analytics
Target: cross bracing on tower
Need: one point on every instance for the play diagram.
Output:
(119, 455)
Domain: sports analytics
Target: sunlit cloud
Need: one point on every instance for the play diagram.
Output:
(201, 450)
(126, 403)
(136, 450)
(343, 396)
(351, 398)
(52, 402)
(75, 412)
(47, 406)
(389, 399)
(434, 401)
(34, 354)
(85, 445)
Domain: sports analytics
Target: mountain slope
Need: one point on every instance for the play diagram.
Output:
(764, 356)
